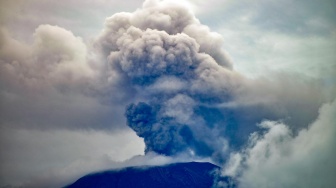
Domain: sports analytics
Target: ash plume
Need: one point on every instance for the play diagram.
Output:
(182, 92)
(175, 68)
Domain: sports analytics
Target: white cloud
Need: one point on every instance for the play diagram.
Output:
(278, 158)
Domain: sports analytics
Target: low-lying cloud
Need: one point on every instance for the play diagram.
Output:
(277, 158)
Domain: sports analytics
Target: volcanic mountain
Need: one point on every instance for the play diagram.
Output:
(176, 175)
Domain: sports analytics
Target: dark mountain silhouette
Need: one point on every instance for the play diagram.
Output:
(177, 175)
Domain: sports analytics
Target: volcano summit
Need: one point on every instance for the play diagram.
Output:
(176, 175)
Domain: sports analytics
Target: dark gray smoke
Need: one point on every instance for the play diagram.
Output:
(174, 65)
(185, 96)
(168, 72)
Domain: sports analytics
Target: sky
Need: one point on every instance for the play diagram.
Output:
(94, 85)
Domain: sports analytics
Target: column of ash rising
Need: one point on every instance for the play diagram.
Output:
(177, 71)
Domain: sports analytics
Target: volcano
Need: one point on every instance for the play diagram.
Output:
(176, 175)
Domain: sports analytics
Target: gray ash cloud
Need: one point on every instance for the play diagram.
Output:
(182, 92)
(175, 67)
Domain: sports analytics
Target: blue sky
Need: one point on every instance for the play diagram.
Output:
(259, 76)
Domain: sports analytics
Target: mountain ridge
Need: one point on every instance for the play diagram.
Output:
(174, 175)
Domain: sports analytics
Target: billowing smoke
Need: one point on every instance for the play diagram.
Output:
(175, 68)
(183, 93)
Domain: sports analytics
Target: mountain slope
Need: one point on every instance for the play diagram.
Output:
(178, 175)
